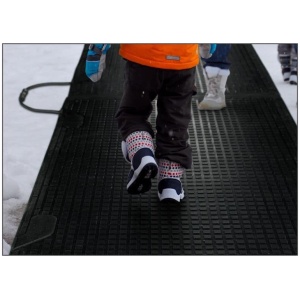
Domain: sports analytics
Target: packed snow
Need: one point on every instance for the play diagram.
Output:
(26, 135)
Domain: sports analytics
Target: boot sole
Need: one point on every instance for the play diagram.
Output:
(211, 105)
(170, 195)
(141, 179)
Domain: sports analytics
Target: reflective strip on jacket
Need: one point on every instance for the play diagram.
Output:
(163, 56)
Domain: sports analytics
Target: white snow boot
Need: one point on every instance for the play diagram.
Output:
(294, 78)
(216, 86)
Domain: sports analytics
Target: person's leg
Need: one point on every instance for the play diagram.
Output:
(216, 71)
(219, 58)
(284, 57)
(140, 88)
(173, 151)
(294, 64)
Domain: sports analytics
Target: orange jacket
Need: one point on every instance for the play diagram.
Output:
(163, 56)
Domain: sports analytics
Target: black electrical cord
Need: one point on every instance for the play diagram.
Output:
(25, 91)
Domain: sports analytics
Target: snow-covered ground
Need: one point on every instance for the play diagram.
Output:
(26, 135)
(268, 55)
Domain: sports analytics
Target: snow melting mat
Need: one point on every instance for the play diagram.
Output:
(241, 195)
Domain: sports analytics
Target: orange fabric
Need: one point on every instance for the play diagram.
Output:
(163, 56)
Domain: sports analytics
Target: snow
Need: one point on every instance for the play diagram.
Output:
(26, 135)
(288, 92)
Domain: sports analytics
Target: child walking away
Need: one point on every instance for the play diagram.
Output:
(288, 59)
(165, 71)
(216, 71)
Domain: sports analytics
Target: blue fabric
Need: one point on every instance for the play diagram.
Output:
(213, 48)
(99, 46)
(92, 64)
(91, 67)
(219, 57)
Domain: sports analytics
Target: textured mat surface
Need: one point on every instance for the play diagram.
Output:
(241, 195)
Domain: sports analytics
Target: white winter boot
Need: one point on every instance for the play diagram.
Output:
(216, 86)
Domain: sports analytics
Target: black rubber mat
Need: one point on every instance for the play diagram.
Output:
(241, 194)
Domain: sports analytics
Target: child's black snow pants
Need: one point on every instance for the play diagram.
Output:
(174, 89)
